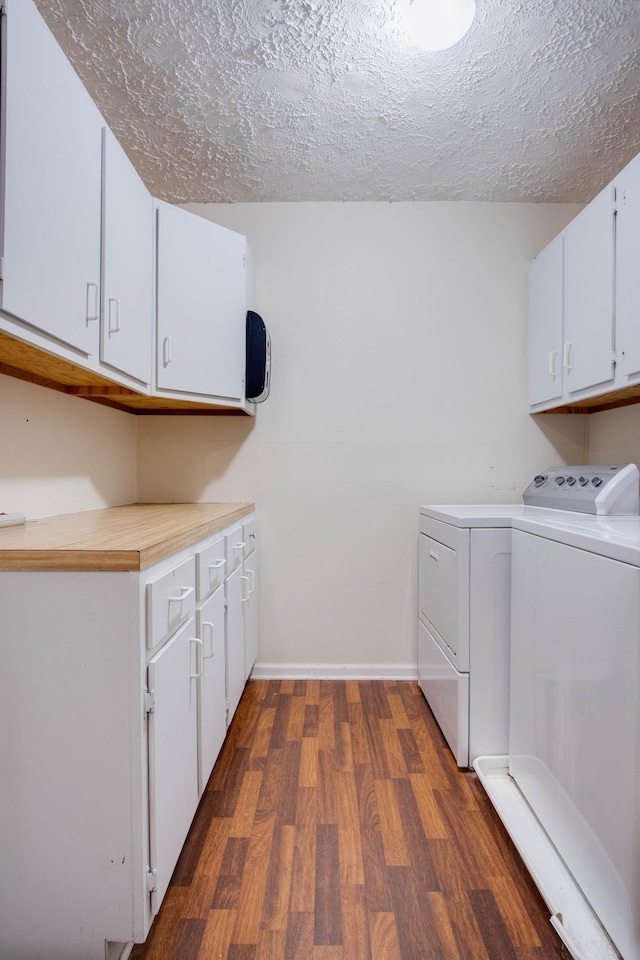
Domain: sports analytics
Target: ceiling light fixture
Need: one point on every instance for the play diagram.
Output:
(438, 24)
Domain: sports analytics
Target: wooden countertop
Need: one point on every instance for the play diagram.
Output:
(132, 537)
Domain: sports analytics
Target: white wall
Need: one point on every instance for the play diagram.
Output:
(399, 377)
(59, 454)
(614, 436)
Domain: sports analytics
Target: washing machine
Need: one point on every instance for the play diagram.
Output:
(574, 728)
(464, 592)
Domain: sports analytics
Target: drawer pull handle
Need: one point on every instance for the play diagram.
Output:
(198, 673)
(186, 592)
(245, 599)
(208, 623)
(435, 556)
(252, 584)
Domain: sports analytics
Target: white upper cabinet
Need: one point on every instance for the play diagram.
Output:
(127, 285)
(79, 255)
(588, 295)
(546, 288)
(52, 178)
(583, 299)
(201, 306)
(627, 185)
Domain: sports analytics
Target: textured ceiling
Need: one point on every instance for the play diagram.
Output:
(249, 100)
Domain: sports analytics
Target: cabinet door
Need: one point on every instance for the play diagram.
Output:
(212, 713)
(234, 639)
(545, 324)
(127, 231)
(52, 183)
(173, 751)
(201, 306)
(588, 295)
(250, 613)
(627, 186)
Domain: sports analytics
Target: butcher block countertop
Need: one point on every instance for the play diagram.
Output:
(132, 537)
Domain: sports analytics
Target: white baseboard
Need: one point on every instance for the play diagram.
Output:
(335, 671)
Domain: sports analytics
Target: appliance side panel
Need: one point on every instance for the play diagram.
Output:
(574, 718)
(490, 635)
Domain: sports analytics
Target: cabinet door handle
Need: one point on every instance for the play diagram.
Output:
(567, 357)
(208, 623)
(114, 311)
(217, 564)
(166, 351)
(434, 556)
(239, 546)
(186, 592)
(252, 582)
(245, 599)
(93, 302)
(199, 643)
(553, 357)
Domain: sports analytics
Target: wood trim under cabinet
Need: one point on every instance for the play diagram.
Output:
(23, 361)
(605, 401)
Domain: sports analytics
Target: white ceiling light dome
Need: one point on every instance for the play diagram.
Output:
(438, 24)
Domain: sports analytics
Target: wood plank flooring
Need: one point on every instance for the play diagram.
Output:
(336, 826)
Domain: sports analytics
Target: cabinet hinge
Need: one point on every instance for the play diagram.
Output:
(152, 881)
(149, 701)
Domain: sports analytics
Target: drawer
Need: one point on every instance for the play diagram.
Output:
(447, 693)
(234, 548)
(210, 567)
(171, 600)
(249, 535)
(444, 593)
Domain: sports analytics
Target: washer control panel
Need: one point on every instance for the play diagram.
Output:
(599, 489)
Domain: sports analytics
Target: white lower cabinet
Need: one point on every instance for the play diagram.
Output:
(114, 689)
(212, 717)
(251, 613)
(234, 639)
(172, 677)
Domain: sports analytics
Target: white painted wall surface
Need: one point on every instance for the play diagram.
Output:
(614, 436)
(59, 454)
(399, 378)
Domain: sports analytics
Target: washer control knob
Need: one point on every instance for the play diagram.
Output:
(597, 481)
(571, 481)
(583, 481)
(559, 481)
(539, 480)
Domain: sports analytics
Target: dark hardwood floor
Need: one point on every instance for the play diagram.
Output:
(336, 826)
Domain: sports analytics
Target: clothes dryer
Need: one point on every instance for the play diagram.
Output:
(464, 593)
